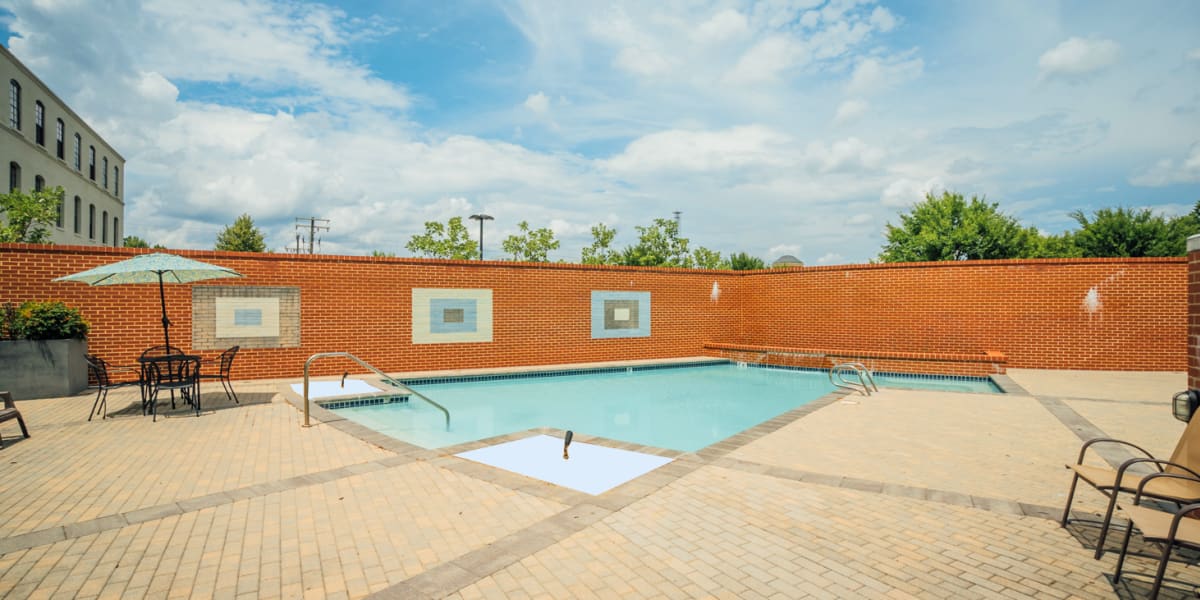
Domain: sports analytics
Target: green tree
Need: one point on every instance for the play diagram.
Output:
(1054, 246)
(450, 240)
(704, 258)
(601, 251)
(241, 236)
(658, 245)
(382, 254)
(133, 241)
(950, 228)
(1126, 232)
(28, 216)
(744, 262)
(530, 245)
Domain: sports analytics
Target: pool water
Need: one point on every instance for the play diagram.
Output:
(683, 408)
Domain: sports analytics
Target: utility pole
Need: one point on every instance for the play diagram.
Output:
(314, 225)
(677, 213)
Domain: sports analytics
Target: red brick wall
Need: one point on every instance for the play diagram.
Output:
(1193, 314)
(363, 305)
(1032, 311)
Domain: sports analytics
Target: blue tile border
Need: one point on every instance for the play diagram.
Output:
(557, 373)
(913, 376)
(369, 401)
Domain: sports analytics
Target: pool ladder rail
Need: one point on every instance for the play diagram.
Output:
(861, 380)
(383, 376)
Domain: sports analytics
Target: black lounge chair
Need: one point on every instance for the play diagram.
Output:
(10, 412)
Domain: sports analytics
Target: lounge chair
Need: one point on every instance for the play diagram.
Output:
(1168, 528)
(10, 412)
(1184, 460)
(103, 372)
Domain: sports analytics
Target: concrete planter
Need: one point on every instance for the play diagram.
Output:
(43, 368)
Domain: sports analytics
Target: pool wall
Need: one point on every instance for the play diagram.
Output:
(1128, 314)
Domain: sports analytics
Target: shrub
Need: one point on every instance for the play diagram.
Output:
(50, 320)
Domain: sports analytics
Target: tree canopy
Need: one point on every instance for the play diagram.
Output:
(241, 236)
(947, 227)
(449, 240)
(950, 228)
(133, 241)
(744, 262)
(530, 245)
(600, 252)
(28, 216)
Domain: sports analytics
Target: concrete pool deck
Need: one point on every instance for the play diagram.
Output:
(902, 494)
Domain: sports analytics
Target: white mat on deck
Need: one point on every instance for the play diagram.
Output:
(333, 389)
(591, 469)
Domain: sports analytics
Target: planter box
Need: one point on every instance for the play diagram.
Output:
(43, 368)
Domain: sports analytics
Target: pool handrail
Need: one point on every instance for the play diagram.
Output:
(865, 380)
(388, 379)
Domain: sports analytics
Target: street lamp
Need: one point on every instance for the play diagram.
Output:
(481, 218)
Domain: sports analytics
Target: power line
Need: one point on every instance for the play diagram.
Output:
(314, 225)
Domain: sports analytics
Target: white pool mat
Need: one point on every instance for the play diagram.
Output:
(333, 389)
(591, 469)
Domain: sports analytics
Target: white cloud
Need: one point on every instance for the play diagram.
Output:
(882, 19)
(831, 258)
(850, 154)
(1194, 55)
(781, 249)
(872, 75)
(726, 25)
(538, 103)
(850, 110)
(642, 61)
(860, 219)
(767, 60)
(1168, 171)
(702, 150)
(1077, 57)
(903, 193)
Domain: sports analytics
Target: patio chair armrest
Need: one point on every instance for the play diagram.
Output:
(1142, 486)
(1089, 443)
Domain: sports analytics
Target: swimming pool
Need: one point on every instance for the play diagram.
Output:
(681, 408)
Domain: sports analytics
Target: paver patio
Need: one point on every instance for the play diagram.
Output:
(902, 494)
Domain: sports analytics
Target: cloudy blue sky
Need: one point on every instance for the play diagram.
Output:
(780, 127)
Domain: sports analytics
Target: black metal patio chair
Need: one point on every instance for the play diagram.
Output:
(173, 373)
(226, 365)
(103, 372)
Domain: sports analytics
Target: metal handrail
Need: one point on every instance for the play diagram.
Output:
(863, 370)
(860, 370)
(386, 379)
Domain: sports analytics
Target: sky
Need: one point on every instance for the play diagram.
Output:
(797, 127)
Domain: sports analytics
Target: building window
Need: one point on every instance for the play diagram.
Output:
(78, 214)
(39, 183)
(91, 221)
(60, 144)
(92, 162)
(105, 163)
(39, 123)
(116, 232)
(117, 181)
(14, 104)
(62, 209)
(78, 147)
(104, 228)
(14, 176)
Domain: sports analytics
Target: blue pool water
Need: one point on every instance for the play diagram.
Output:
(684, 408)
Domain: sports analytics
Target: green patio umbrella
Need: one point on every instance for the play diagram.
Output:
(151, 268)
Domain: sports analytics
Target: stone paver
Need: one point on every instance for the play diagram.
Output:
(906, 494)
(993, 446)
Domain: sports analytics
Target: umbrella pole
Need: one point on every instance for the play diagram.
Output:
(162, 296)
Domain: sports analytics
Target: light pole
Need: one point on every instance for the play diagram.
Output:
(481, 218)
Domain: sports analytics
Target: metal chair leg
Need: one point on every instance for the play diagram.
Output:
(1070, 498)
(1112, 505)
